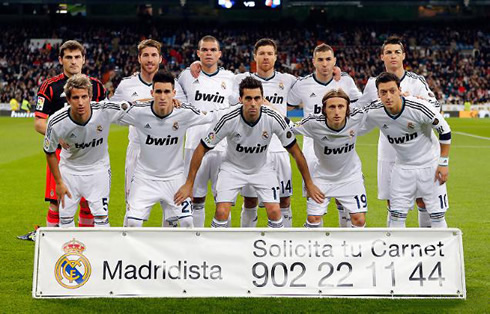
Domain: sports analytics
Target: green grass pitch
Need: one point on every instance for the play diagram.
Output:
(22, 173)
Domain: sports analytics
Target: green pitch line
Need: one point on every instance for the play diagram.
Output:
(22, 173)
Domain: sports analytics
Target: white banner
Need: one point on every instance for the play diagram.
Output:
(259, 262)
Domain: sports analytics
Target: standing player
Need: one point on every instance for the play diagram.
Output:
(393, 54)
(338, 170)
(407, 124)
(84, 168)
(249, 129)
(212, 89)
(310, 90)
(139, 87)
(51, 98)
(159, 170)
(276, 87)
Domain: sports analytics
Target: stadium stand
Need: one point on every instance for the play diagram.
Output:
(452, 58)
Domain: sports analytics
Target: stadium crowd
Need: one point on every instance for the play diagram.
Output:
(453, 59)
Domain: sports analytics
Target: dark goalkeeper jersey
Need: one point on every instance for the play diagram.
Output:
(51, 96)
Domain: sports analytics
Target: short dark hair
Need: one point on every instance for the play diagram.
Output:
(322, 48)
(164, 77)
(336, 93)
(392, 40)
(386, 77)
(250, 83)
(71, 45)
(207, 38)
(265, 42)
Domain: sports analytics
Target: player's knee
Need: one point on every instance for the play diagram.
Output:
(273, 211)
(314, 219)
(285, 202)
(313, 222)
(250, 202)
(420, 203)
(222, 212)
(358, 220)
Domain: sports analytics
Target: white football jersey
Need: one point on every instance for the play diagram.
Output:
(87, 152)
(162, 138)
(411, 83)
(207, 92)
(310, 91)
(410, 132)
(248, 144)
(338, 161)
(133, 88)
(276, 89)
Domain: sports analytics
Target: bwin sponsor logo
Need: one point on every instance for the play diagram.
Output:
(210, 97)
(275, 99)
(251, 150)
(339, 150)
(402, 139)
(162, 140)
(89, 144)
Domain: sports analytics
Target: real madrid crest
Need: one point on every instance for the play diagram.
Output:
(352, 133)
(73, 269)
(175, 127)
(223, 85)
(99, 128)
(265, 135)
(410, 125)
(281, 85)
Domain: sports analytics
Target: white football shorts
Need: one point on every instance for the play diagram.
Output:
(408, 184)
(282, 167)
(145, 193)
(352, 195)
(95, 188)
(231, 183)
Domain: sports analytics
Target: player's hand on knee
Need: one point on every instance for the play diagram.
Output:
(195, 68)
(183, 193)
(61, 191)
(315, 193)
(442, 174)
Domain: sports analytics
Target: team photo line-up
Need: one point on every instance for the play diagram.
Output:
(211, 125)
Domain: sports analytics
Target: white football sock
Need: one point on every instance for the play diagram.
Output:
(248, 217)
(424, 218)
(287, 216)
(198, 214)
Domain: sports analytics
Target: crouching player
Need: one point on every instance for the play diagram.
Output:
(249, 130)
(337, 171)
(421, 166)
(83, 169)
(159, 169)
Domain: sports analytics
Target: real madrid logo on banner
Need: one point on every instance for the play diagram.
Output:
(73, 269)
